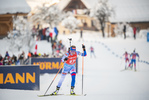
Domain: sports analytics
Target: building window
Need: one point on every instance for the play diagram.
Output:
(85, 24)
(81, 7)
(92, 22)
(77, 6)
(83, 20)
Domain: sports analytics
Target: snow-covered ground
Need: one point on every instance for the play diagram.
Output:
(103, 78)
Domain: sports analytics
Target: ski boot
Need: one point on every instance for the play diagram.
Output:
(56, 91)
(72, 91)
(131, 67)
(135, 69)
(125, 67)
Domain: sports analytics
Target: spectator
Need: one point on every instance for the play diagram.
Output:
(6, 60)
(36, 55)
(56, 33)
(29, 54)
(124, 30)
(40, 34)
(47, 34)
(60, 45)
(7, 54)
(18, 62)
(44, 55)
(13, 60)
(22, 58)
(54, 49)
(1, 58)
(29, 57)
(138, 29)
(44, 33)
(1, 62)
(38, 26)
(34, 31)
(81, 34)
(134, 32)
(51, 35)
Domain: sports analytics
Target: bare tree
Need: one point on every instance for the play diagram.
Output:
(119, 29)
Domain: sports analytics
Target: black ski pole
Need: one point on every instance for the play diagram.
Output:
(82, 69)
(70, 39)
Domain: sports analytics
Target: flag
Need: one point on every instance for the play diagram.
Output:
(36, 48)
(74, 12)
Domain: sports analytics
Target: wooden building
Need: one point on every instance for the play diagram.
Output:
(7, 10)
(80, 10)
(134, 12)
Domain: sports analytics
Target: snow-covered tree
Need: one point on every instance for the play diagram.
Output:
(102, 11)
(70, 22)
(21, 37)
(47, 15)
(119, 29)
(143, 33)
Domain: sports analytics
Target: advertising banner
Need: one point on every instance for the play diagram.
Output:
(148, 37)
(19, 77)
(49, 65)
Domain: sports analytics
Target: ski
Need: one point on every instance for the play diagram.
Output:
(128, 69)
(76, 94)
(49, 95)
(123, 70)
(62, 95)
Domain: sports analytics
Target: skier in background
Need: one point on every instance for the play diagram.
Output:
(126, 58)
(69, 60)
(92, 52)
(133, 59)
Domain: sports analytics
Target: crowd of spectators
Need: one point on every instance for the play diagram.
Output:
(49, 34)
(58, 50)
(14, 60)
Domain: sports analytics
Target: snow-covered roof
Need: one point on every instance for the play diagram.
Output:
(130, 10)
(63, 3)
(125, 10)
(89, 3)
(14, 6)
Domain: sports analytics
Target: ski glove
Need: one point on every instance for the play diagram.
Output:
(83, 46)
(66, 59)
